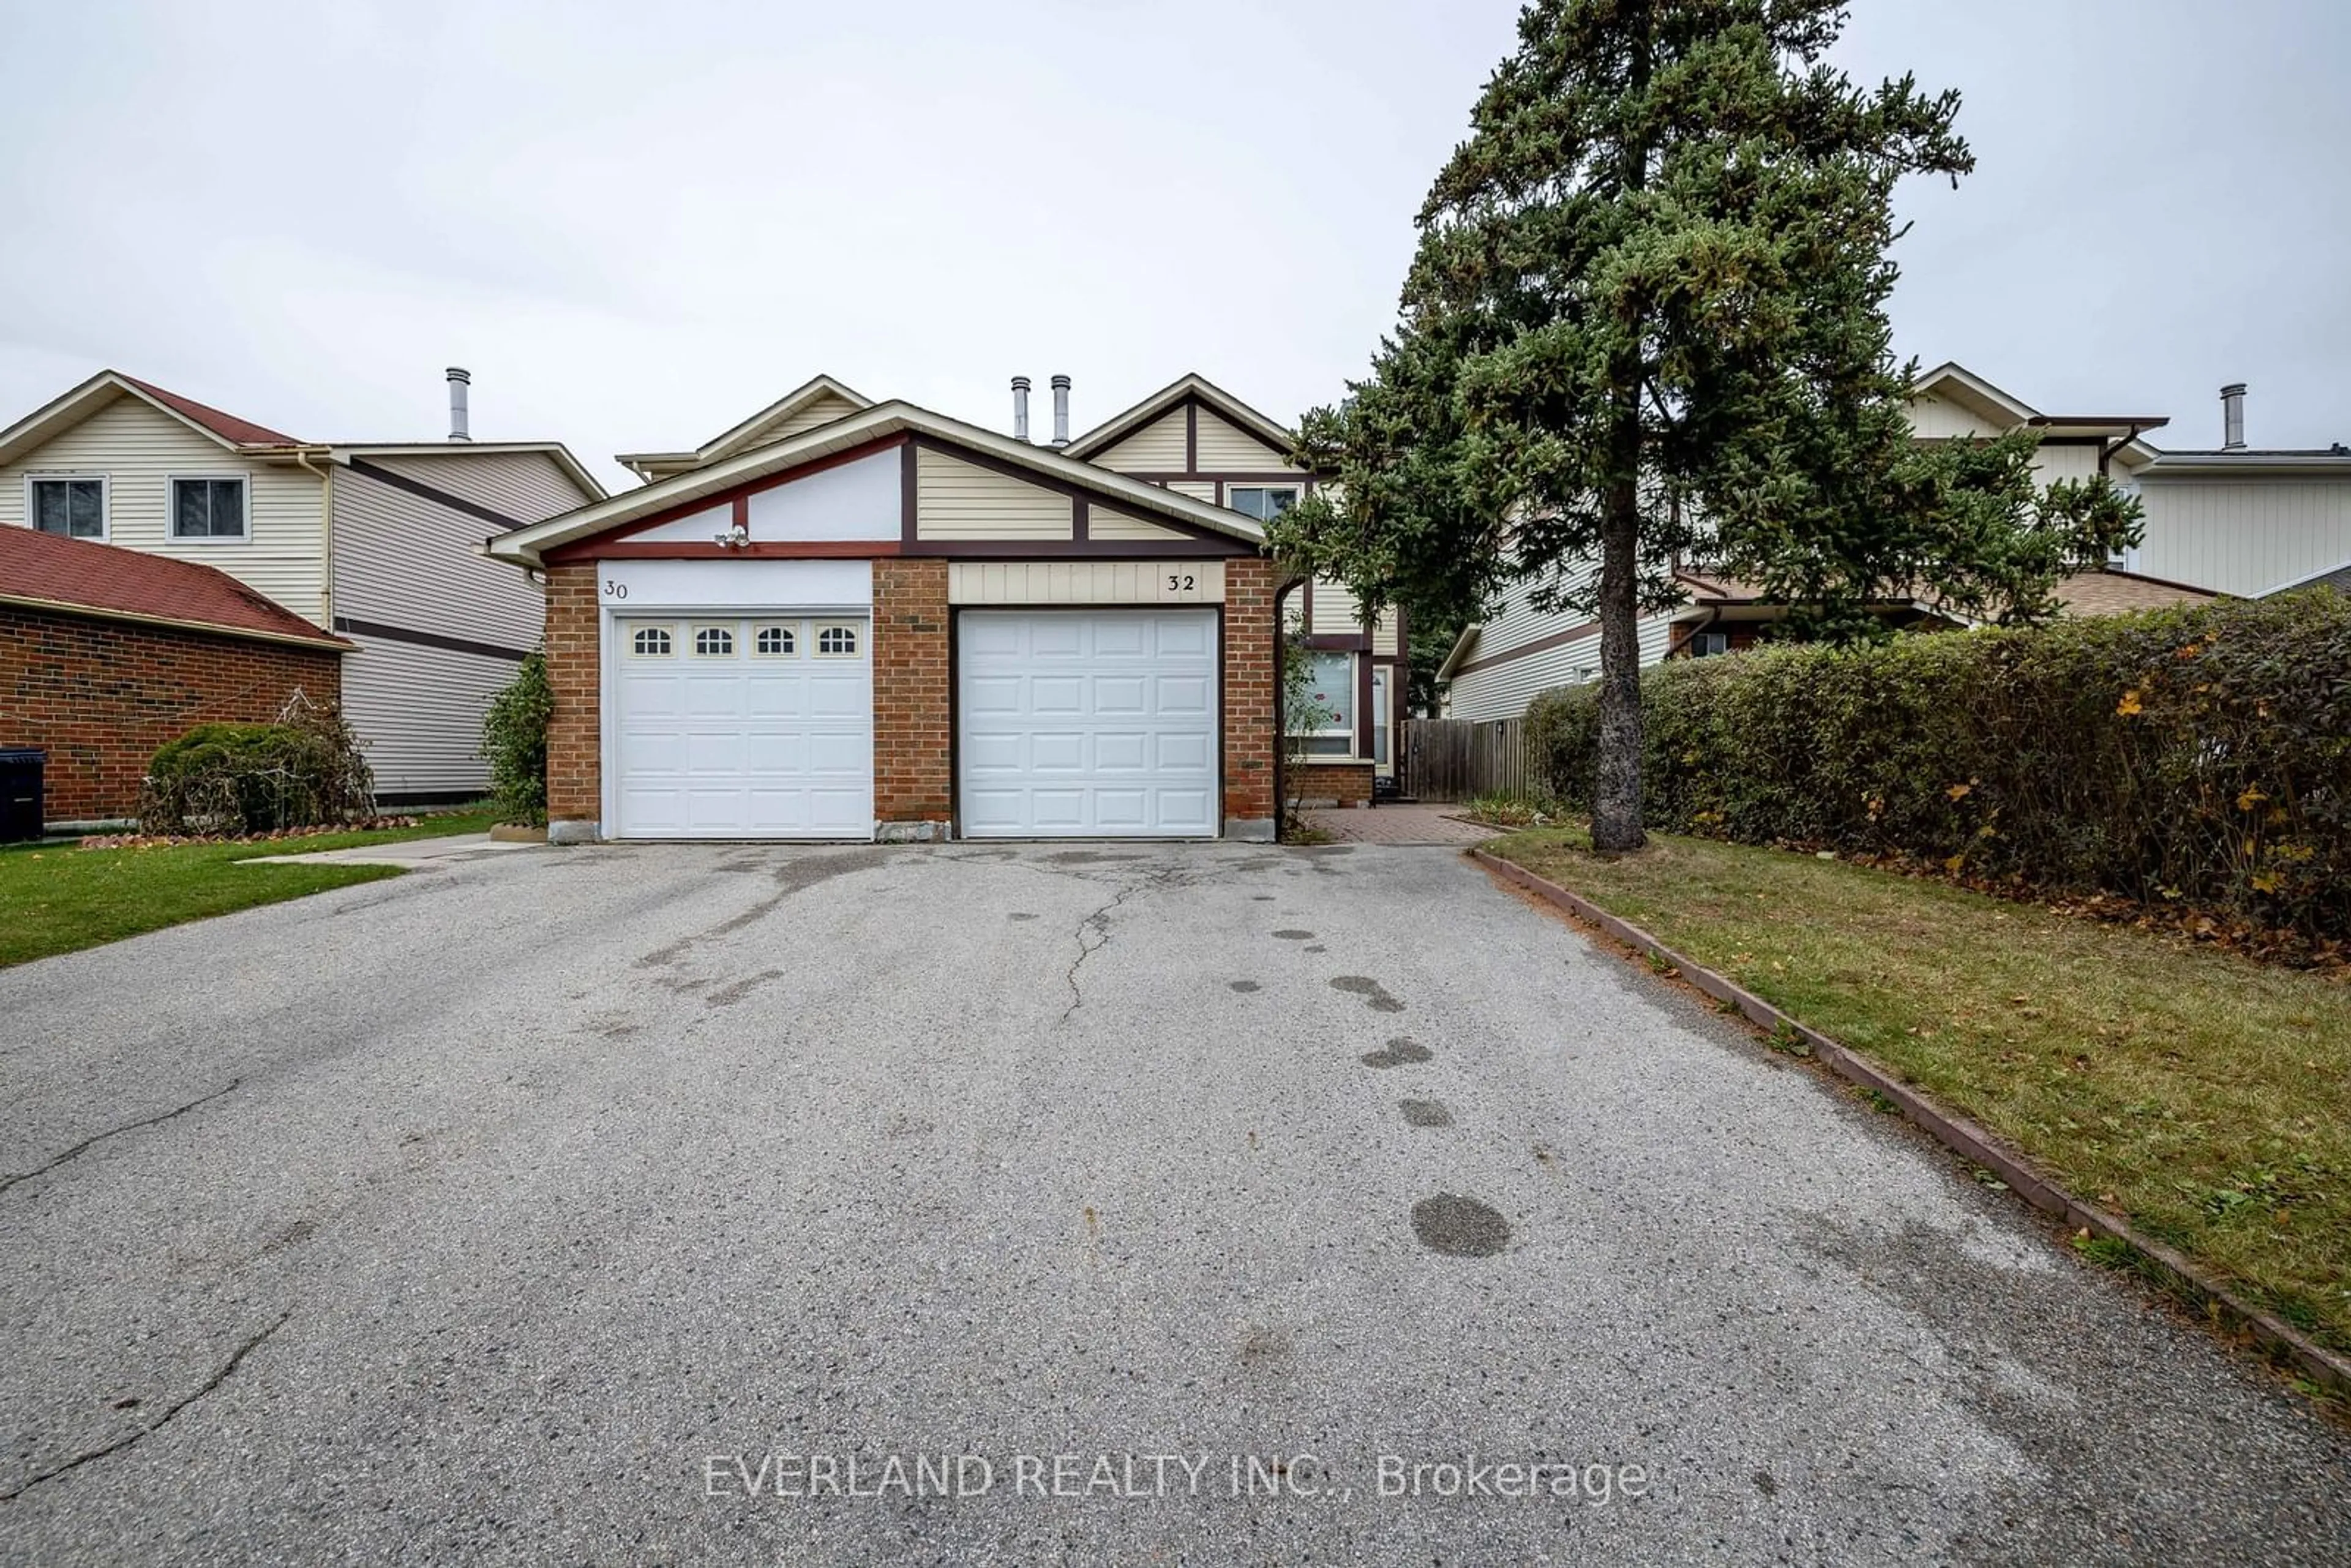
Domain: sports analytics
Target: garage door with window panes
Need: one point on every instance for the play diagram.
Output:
(1087, 724)
(744, 727)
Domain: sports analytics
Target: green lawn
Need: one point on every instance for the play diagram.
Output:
(58, 898)
(2206, 1096)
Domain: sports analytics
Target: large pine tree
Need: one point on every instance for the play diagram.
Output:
(1650, 290)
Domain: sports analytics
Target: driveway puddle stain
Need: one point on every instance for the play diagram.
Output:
(733, 991)
(1426, 1113)
(1459, 1226)
(1401, 1051)
(1089, 857)
(1243, 985)
(797, 875)
(1019, 914)
(1261, 898)
(1375, 996)
(1293, 935)
(1260, 1344)
(1316, 947)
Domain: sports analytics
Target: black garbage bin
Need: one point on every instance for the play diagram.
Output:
(20, 793)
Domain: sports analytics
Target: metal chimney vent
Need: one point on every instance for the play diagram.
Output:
(2232, 417)
(1020, 408)
(459, 380)
(1061, 411)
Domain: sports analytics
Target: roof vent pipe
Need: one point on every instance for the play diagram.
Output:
(1061, 411)
(1020, 408)
(2232, 417)
(459, 380)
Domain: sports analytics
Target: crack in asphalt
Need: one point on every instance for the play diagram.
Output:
(228, 1369)
(1099, 923)
(92, 1142)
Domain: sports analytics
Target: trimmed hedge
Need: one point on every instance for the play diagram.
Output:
(2201, 755)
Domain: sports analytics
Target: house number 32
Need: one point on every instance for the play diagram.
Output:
(1180, 582)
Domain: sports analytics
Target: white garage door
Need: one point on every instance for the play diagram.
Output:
(1087, 724)
(744, 727)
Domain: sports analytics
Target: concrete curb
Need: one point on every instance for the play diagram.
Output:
(1964, 1138)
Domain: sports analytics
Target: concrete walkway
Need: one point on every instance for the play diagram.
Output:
(1420, 822)
(412, 854)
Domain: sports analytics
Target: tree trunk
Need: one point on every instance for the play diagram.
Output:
(1616, 787)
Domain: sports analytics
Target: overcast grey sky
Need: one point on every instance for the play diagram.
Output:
(638, 223)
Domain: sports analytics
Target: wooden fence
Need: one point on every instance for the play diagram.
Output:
(1459, 759)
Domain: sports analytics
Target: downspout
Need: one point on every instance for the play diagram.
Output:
(326, 478)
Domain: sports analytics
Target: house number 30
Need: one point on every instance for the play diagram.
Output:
(613, 590)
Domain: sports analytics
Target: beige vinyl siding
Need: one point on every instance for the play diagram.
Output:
(823, 411)
(2243, 536)
(1156, 448)
(417, 712)
(139, 449)
(959, 500)
(1198, 490)
(1933, 419)
(528, 487)
(402, 560)
(1086, 582)
(1102, 523)
(1504, 690)
(2051, 464)
(1224, 447)
(1336, 611)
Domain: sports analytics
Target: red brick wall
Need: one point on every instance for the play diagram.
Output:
(574, 766)
(1348, 783)
(913, 727)
(100, 696)
(1249, 744)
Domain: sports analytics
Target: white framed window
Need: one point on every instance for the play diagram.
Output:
(774, 642)
(714, 642)
(1381, 711)
(72, 506)
(650, 643)
(1263, 502)
(836, 642)
(1326, 727)
(209, 507)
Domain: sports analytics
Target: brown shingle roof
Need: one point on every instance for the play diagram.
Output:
(2119, 592)
(79, 574)
(227, 426)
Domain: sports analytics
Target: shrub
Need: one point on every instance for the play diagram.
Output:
(2201, 756)
(235, 779)
(514, 743)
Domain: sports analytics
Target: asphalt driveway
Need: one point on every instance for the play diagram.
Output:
(600, 1205)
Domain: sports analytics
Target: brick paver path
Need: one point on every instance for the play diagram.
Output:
(1416, 825)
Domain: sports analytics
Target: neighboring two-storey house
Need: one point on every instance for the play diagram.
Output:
(376, 542)
(1501, 663)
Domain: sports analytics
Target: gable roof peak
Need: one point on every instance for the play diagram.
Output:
(651, 465)
(1190, 385)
